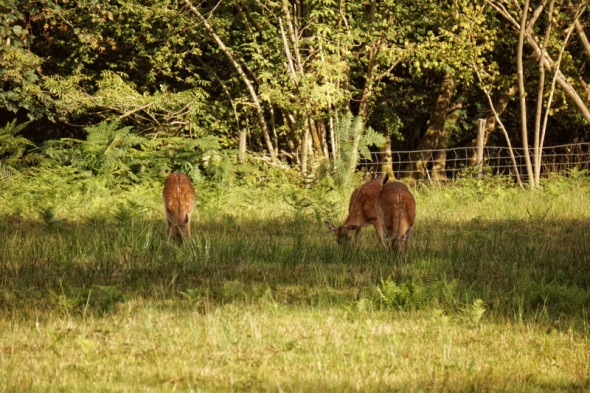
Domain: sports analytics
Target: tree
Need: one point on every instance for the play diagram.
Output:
(435, 136)
(20, 67)
(525, 22)
(285, 73)
(242, 74)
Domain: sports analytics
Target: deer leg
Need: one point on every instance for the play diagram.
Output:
(169, 229)
(379, 230)
(186, 226)
(405, 239)
(187, 230)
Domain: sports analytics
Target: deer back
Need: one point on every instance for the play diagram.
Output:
(362, 208)
(179, 197)
(397, 209)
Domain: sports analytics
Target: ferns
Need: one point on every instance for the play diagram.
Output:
(13, 147)
(113, 157)
(414, 294)
(348, 128)
(6, 172)
(354, 141)
(121, 157)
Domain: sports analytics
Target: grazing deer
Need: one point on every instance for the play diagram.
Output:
(362, 211)
(396, 208)
(179, 198)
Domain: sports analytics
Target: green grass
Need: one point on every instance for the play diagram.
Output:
(494, 294)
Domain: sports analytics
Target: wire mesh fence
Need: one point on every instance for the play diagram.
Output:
(456, 162)
(496, 160)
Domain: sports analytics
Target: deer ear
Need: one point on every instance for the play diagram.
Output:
(330, 226)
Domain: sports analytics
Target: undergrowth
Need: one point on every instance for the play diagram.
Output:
(83, 247)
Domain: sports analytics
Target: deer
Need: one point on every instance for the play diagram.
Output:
(396, 211)
(362, 211)
(179, 199)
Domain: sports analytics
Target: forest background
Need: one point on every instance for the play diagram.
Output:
(315, 84)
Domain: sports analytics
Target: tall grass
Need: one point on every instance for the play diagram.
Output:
(495, 291)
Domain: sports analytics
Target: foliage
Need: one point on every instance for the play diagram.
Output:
(113, 156)
(354, 141)
(20, 68)
(14, 147)
(16, 151)
(98, 300)
(161, 112)
(149, 66)
(414, 294)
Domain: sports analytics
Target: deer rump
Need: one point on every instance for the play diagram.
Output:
(397, 212)
(179, 197)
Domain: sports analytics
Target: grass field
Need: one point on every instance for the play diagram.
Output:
(494, 294)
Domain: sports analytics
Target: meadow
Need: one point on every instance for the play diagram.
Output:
(494, 294)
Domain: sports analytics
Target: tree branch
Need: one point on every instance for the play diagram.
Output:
(497, 117)
(244, 77)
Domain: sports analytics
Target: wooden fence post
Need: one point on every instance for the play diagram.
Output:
(481, 129)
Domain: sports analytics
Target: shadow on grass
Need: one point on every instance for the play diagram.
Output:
(528, 266)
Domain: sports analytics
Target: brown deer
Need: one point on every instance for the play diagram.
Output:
(179, 198)
(396, 209)
(362, 211)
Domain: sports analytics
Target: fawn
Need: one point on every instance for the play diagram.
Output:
(396, 209)
(179, 198)
(362, 211)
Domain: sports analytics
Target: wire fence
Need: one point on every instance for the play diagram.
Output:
(453, 163)
(496, 160)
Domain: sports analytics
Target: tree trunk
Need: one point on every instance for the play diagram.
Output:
(315, 137)
(364, 105)
(439, 159)
(550, 98)
(386, 165)
(332, 142)
(321, 129)
(304, 148)
(481, 130)
(540, 99)
(295, 69)
(435, 132)
(367, 87)
(293, 36)
(522, 95)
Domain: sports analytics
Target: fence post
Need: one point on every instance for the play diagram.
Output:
(241, 145)
(481, 129)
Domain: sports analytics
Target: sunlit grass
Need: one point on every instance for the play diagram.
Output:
(264, 346)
